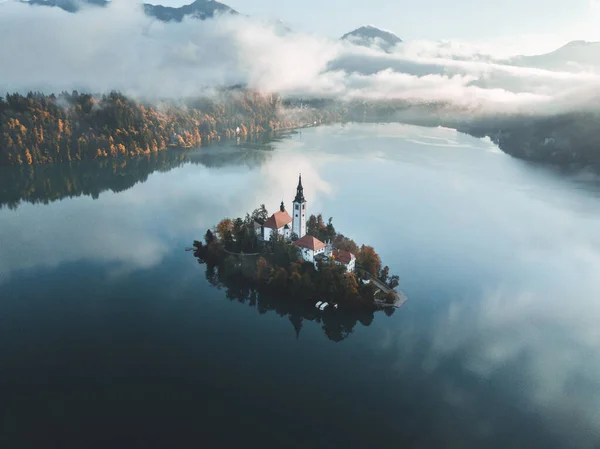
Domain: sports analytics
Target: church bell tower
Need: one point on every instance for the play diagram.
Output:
(299, 209)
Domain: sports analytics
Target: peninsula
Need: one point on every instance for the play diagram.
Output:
(305, 258)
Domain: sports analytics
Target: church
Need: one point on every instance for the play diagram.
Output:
(311, 248)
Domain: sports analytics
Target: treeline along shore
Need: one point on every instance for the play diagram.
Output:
(39, 129)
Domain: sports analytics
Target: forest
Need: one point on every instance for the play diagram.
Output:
(38, 128)
(232, 251)
(565, 139)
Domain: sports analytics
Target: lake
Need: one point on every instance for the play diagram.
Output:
(111, 335)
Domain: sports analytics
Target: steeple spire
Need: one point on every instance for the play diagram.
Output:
(299, 191)
(282, 207)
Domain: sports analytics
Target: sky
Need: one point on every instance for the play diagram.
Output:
(472, 20)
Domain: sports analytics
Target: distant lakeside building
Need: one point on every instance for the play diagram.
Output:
(311, 249)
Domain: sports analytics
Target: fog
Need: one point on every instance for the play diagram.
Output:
(119, 48)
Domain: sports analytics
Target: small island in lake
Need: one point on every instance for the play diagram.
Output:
(304, 258)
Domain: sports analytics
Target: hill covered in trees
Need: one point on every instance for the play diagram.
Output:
(562, 139)
(38, 128)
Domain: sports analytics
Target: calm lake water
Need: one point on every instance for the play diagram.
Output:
(111, 335)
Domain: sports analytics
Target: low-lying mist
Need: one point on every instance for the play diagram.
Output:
(120, 48)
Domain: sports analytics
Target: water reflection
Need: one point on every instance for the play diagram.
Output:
(52, 182)
(337, 324)
(498, 347)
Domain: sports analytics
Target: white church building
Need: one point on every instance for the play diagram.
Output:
(311, 248)
(278, 223)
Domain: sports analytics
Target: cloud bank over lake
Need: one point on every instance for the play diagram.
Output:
(120, 48)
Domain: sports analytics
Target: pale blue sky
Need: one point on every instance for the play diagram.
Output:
(433, 19)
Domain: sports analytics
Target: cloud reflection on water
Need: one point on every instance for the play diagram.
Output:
(500, 260)
(136, 228)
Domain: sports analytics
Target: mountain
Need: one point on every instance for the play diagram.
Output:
(369, 36)
(67, 5)
(574, 55)
(200, 9)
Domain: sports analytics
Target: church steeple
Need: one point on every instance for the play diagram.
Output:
(299, 191)
(282, 207)
(299, 213)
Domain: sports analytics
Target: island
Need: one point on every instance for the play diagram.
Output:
(299, 256)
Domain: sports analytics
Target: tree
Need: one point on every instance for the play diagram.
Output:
(209, 237)
(369, 259)
(262, 269)
(394, 281)
(280, 279)
(308, 287)
(260, 214)
(329, 231)
(350, 287)
(390, 297)
(224, 227)
(239, 233)
(341, 242)
(385, 272)
(312, 226)
(296, 282)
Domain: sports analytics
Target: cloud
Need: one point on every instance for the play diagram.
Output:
(531, 326)
(118, 47)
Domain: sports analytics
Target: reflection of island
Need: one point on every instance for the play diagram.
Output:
(305, 260)
(337, 324)
(51, 182)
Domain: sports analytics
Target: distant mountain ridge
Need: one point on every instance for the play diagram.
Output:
(573, 55)
(369, 36)
(200, 9)
(67, 5)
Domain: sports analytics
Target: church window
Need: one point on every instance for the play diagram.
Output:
(296, 215)
(297, 207)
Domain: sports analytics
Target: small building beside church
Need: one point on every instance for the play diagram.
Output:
(310, 247)
(345, 258)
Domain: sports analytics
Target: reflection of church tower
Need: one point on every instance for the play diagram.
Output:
(299, 218)
(297, 323)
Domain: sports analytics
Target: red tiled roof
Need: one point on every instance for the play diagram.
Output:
(309, 242)
(343, 256)
(278, 220)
